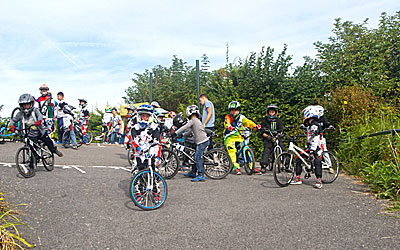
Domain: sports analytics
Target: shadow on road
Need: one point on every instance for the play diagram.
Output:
(122, 156)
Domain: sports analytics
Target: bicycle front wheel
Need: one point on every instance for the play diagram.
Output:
(47, 159)
(249, 161)
(169, 164)
(148, 190)
(330, 167)
(26, 162)
(89, 137)
(284, 169)
(217, 164)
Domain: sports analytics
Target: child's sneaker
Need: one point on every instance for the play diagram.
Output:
(199, 178)
(256, 171)
(156, 197)
(318, 184)
(237, 171)
(296, 181)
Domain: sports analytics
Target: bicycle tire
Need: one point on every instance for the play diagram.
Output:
(284, 169)
(169, 164)
(79, 137)
(17, 133)
(131, 157)
(26, 162)
(277, 151)
(66, 136)
(47, 159)
(330, 171)
(249, 161)
(145, 198)
(89, 137)
(217, 164)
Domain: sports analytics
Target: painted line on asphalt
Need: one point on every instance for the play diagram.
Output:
(76, 167)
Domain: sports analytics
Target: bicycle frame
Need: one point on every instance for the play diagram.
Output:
(293, 148)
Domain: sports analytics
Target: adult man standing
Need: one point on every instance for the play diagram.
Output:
(208, 117)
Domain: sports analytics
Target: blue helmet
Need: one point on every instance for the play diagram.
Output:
(145, 109)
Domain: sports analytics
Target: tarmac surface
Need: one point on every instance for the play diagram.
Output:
(84, 203)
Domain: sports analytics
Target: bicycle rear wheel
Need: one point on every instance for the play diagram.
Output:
(249, 161)
(47, 158)
(26, 162)
(330, 167)
(169, 164)
(148, 191)
(89, 137)
(18, 134)
(131, 158)
(217, 164)
(284, 169)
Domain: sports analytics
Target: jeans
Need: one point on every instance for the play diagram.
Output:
(116, 137)
(72, 137)
(60, 129)
(199, 168)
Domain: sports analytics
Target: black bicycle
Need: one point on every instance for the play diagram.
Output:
(28, 156)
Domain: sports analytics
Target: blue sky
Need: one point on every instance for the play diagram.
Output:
(92, 48)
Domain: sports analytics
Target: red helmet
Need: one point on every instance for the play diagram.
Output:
(44, 87)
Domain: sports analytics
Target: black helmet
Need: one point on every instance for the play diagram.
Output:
(192, 109)
(178, 120)
(26, 98)
(272, 107)
(84, 102)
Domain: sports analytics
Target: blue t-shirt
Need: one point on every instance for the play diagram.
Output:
(210, 122)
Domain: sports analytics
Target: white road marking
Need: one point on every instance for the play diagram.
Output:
(80, 170)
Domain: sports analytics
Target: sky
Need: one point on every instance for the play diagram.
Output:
(91, 49)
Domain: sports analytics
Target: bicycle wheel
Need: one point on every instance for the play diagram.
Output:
(26, 163)
(330, 167)
(79, 137)
(217, 164)
(169, 164)
(148, 191)
(18, 134)
(89, 137)
(249, 161)
(66, 138)
(47, 158)
(131, 158)
(284, 169)
(277, 151)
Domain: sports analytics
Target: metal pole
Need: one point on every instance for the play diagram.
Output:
(198, 82)
(151, 87)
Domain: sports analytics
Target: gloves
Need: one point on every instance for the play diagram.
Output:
(37, 123)
(229, 127)
(12, 128)
(157, 161)
(258, 126)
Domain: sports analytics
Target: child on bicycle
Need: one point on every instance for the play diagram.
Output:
(84, 117)
(310, 120)
(46, 107)
(270, 124)
(32, 118)
(68, 123)
(145, 133)
(234, 122)
(201, 139)
(107, 122)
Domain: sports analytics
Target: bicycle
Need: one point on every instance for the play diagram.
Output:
(105, 137)
(5, 133)
(148, 188)
(217, 163)
(245, 154)
(66, 138)
(28, 156)
(284, 165)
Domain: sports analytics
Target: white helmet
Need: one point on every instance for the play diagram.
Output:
(84, 102)
(145, 109)
(320, 110)
(192, 109)
(310, 112)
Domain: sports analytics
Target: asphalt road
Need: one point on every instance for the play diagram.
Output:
(84, 204)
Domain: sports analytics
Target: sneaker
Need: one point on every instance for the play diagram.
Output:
(237, 170)
(263, 168)
(184, 168)
(296, 181)
(318, 184)
(138, 197)
(156, 197)
(199, 178)
(190, 174)
(59, 153)
(75, 147)
(256, 171)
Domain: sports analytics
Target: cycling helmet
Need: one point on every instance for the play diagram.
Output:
(172, 114)
(155, 105)
(178, 120)
(26, 98)
(272, 107)
(67, 109)
(43, 87)
(131, 107)
(234, 105)
(145, 109)
(192, 110)
(108, 109)
(310, 112)
(84, 102)
(320, 110)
